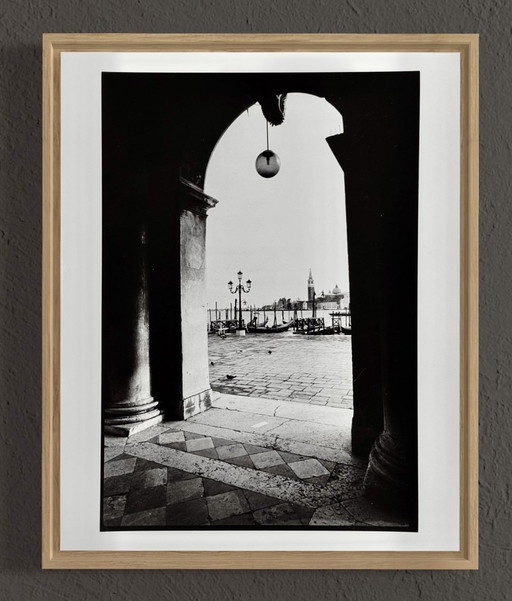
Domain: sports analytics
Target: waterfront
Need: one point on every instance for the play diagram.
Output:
(282, 315)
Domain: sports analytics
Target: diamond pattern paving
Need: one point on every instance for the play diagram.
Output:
(199, 444)
(227, 504)
(267, 459)
(171, 476)
(141, 493)
(171, 437)
(308, 468)
(119, 467)
(231, 450)
(185, 490)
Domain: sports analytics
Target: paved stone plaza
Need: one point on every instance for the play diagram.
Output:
(249, 462)
(273, 450)
(305, 369)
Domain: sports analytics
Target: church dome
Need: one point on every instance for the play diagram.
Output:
(336, 290)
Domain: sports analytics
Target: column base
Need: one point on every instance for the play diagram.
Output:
(391, 479)
(124, 419)
(197, 403)
(129, 429)
(363, 438)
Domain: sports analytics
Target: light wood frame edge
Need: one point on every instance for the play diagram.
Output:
(467, 557)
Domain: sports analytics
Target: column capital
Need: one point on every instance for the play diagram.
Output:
(193, 198)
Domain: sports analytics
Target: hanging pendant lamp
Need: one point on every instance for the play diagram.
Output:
(268, 163)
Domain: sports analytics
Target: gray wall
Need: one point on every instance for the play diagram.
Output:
(21, 25)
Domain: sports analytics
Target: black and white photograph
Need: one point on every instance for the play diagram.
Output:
(259, 300)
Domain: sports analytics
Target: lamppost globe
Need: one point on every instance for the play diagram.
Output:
(268, 164)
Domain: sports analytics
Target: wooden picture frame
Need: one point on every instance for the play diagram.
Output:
(465, 46)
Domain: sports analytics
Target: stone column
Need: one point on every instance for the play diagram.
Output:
(362, 242)
(127, 401)
(378, 152)
(196, 392)
(392, 471)
(393, 468)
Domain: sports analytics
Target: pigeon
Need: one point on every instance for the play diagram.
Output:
(229, 377)
(270, 352)
(212, 363)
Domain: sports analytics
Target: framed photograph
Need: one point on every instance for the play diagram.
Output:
(260, 301)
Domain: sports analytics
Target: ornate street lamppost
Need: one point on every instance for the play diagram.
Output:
(240, 331)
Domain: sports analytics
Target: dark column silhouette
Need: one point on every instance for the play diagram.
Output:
(379, 155)
(128, 403)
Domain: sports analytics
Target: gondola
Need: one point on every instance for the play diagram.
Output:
(347, 331)
(329, 330)
(253, 323)
(269, 330)
(222, 326)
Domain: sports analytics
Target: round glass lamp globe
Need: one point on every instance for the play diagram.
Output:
(268, 163)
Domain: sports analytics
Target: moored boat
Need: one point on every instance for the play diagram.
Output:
(254, 324)
(269, 330)
(321, 331)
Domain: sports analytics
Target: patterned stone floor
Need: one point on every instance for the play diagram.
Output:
(305, 369)
(247, 462)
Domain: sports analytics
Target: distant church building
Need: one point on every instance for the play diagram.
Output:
(335, 299)
(311, 288)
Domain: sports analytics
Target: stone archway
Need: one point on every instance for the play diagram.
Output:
(159, 131)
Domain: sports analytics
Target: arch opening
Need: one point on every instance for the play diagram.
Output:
(288, 235)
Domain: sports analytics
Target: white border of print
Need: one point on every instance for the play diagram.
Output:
(439, 294)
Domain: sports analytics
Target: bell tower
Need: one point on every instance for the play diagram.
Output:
(311, 287)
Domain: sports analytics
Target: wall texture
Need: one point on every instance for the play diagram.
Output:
(21, 26)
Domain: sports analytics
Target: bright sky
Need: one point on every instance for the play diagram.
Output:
(275, 230)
